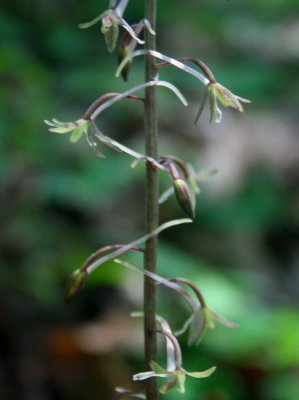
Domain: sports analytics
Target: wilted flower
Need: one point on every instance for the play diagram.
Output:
(77, 128)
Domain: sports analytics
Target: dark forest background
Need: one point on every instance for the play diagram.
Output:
(59, 202)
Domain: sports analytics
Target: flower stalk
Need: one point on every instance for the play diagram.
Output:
(151, 198)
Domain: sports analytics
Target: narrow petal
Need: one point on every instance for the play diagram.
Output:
(185, 326)
(223, 321)
(218, 114)
(148, 26)
(165, 195)
(163, 57)
(61, 129)
(202, 374)
(86, 25)
(243, 100)
(130, 30)
(64, 124)
(202, 104)
(145, 375)
(50, 123)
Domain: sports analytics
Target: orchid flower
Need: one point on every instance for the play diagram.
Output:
(202, 317)
(175, 374)
(111, 20)
(215, 91)
(87, 126)
(77, 128)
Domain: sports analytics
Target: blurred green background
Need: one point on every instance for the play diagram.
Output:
(59, 202)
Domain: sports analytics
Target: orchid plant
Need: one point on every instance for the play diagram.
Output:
(184, 185)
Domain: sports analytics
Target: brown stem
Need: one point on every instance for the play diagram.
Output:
(151, 199)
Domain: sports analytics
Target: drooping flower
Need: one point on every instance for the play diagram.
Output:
(202, 319)
(175, 373)
(176, 377)
(215, 91)
(76, 128)
(111, 20)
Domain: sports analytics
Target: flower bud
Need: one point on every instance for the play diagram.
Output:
(75, 282)
(185, 196)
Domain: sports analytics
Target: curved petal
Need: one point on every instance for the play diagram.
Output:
(61, 129)
(163, 57)
(222, 320)
(145, 375)
(130, 30)
(86, 25)
(202, 374)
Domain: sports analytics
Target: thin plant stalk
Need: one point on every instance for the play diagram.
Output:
(151, 199)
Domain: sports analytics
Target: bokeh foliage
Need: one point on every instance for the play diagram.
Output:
(59, 202)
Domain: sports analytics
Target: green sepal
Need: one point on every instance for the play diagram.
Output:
(77, 133)
(157, 368)
(197, 327)
(201, 374)
(111, 36)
